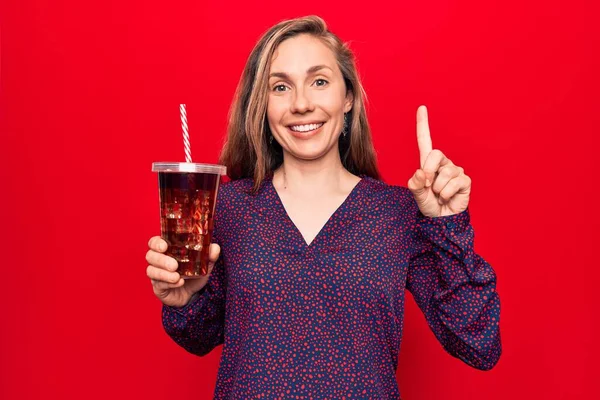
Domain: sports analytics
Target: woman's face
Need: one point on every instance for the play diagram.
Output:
(307, 98)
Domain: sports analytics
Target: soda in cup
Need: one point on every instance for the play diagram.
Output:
(188, 194)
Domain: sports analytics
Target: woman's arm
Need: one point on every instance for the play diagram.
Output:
(198, 327)
(454, 287)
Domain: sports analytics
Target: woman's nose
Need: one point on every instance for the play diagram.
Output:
(301, 103)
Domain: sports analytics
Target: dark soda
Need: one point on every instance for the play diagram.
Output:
(187, 205)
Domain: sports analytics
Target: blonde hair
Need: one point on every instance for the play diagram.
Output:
(247, 152)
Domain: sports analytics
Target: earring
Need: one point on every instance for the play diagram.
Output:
(345, 130)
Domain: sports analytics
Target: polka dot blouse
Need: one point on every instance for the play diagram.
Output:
(324, 321)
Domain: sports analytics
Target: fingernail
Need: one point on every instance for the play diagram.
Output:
(427, 183)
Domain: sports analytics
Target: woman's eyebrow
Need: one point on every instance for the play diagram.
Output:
(309, 71)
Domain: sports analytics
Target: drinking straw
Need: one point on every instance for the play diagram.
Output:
(186, 135)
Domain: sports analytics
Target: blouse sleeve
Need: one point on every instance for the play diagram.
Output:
(454, 287)
(199, 326)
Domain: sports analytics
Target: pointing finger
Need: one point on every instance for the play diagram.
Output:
(423, 134)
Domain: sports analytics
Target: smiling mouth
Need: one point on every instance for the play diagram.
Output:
(305, 128)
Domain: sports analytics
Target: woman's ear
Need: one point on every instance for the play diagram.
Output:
(349, 101)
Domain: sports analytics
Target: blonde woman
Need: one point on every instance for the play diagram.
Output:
(313, 252)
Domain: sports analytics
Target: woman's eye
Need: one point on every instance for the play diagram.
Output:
(282, 87)
(324, 82)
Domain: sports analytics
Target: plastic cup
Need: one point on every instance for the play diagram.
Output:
(188, 195)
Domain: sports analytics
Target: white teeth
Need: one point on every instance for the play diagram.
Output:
(305, 128)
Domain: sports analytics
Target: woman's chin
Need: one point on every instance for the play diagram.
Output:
(310, 151)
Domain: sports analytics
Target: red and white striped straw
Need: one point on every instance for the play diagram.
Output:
(186, 135)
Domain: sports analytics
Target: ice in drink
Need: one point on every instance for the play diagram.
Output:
(188, 193)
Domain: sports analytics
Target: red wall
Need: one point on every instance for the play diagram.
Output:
(89, 99)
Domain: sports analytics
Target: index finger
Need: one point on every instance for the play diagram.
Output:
(157, 243)
(423, 134)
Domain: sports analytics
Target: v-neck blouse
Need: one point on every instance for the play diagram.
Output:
(294, 231)
(324, 321)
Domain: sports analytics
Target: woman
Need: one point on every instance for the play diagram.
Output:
(308, 293)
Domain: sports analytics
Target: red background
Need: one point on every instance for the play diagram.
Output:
(89, 99)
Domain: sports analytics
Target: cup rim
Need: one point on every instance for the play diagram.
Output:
(170, 166)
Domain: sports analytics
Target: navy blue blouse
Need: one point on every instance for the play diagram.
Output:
(324, 321)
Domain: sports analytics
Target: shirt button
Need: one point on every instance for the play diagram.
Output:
(450, 225)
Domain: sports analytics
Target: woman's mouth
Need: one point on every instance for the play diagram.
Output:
(305, 131)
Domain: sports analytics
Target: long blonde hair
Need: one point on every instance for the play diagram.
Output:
(247, 152)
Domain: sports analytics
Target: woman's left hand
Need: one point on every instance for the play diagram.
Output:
(440, 187)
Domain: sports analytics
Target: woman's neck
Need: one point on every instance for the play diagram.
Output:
(316, 177)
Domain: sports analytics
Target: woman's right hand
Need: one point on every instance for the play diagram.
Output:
(168, 285)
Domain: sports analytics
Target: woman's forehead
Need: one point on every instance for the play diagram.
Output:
(298, 54)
